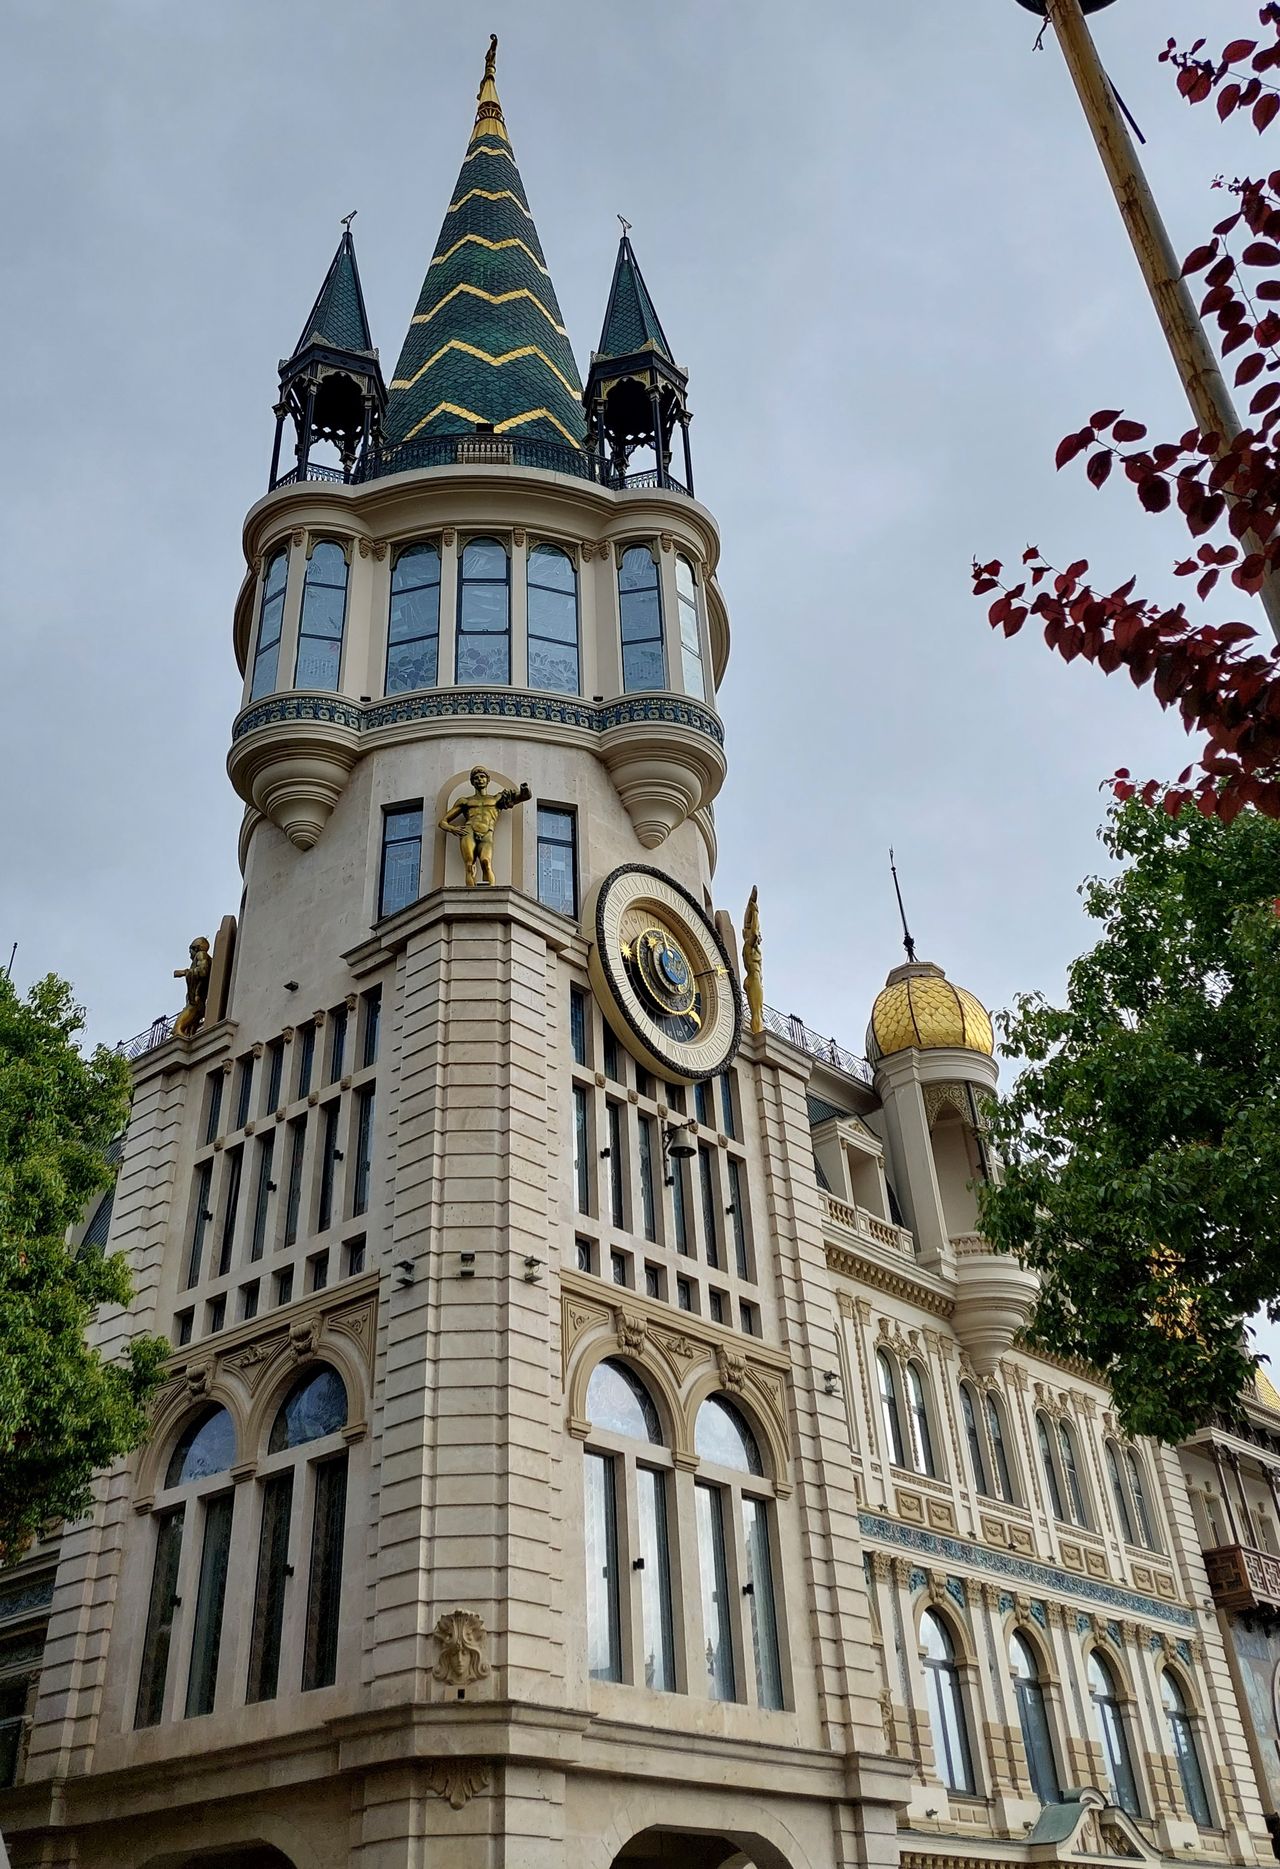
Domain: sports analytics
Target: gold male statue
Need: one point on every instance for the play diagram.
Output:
(473, 821)
(752, 962)
(191, 1018)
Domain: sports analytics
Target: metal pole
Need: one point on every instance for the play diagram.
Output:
(1207, 392)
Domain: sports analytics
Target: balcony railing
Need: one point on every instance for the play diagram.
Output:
(1242, 1578)
(155, 1034)
(787, 1025)
(870, 1228)
(425, 451)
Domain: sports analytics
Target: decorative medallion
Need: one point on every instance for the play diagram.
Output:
(662, 974)
(461, 1636)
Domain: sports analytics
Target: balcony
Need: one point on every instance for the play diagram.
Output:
(1242, 1578)
(483, 450)
(867, 1229)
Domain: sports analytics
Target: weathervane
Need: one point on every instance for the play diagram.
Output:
(348, 218)
(907, 942)
(626, 224)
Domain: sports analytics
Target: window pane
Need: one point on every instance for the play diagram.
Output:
(1145, 1527)
(578, 1024)
(364, 1149)
(715, 1593)
(921, 1442)
(642, 667)
(294, 1202)
(265, 669)
(318, 662)
(1185, 1751)
(484, 558)
(581, 1168)
(1074, 1487)
(684, 579)
(618, 1401)
(722, 1436)
(315, 1406)
(1050, 1471)
(655, 1581)
(164, 1598)
(694, 683)
(320, 1658)
(557, 865)
(551, 568)
(268, 1596)
(322, 610)
(889, 1410)
(648, 1214)
(641, 617)
(995, 1422)
(412, 665)
(554, 666)
(276, 574)
(207, 1446)
(976, 1457)
(200, 1219)
(946, 1708)
(764, 1621)
(1118, 1494)
(554, 614)
(483, 659)
(328, 1164)
(604, 1644)
(418, 565)
(401, 859)
(262, 1196)
(327, 564)
(1115, 1744)
(484, 607)
(637, 570)
(206, 1639)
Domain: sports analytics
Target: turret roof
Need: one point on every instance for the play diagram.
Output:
(631, 321)
(487, 342)
(338, 319)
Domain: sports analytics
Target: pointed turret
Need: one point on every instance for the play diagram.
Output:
(332, 387)
(487, 348)
(636, 392)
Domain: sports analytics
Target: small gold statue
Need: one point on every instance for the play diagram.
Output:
(752, 961)
(476, 820)
(191, 1018)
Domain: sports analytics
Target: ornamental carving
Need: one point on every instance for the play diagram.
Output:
(462, 1638)
(632, 1333)
(356, 1323)
(447, 536)
(881, 1566)
(677, 1351)
(458, 1780)
(517, 535)
(303, 1335)
(939, 1097)
(199, 1376)
(732, 1368)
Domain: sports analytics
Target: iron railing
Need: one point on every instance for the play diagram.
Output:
(787, 1025)
(425, 451)
(314, 471)
(155, 1034)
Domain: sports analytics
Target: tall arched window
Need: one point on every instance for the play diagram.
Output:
(1033, 1717)
(1071, 1473)
(1111, 1731)
(1050, 1466)
(695, 681)
(324, 610)
(1000, 1449)
(889, 1416)
(735, 1554)
(918, 1413)
(413, 625)
(1185, 1750)
(301, 1483)
(1118, 1493)
(644, 665)
(553, 621)
(627, 1460)
(977, 1453)
(195, 1490)
(1137, 1482)
(266, 657)
(946, 1705)
(484, 614)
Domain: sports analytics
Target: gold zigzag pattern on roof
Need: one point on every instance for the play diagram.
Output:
(490, 298)
(489, 194)
(484, 356)
(512, 421)
(494, 246)
(489, 149)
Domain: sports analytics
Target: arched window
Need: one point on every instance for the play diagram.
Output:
(206, 1446)
(324, 610)
(644, 665)
(627, 1461)
(889, 1415)
(946, 1706)
(553, 621)
(266, 657)
(1125, 1524)
(695, 681)
(918, 1413)
(413, 625)
(1146, 1529)
(1115, 1742)
(735, 1555)
(1033, 1717)
(1071, 1472)
(1185, 1750)
(977, 1454)
(303, 1481)
(484, 614)
(1000, 1449)
(1050, 1466)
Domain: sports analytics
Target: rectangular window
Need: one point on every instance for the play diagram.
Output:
(484, 615)
(320, 1657)
(249, 1295)
(690, 639)
(644, 1083)
(262, 1195)
(353, 1256)
(648, 1208)
(328, 1158)
(616, 1207)
(604, 1632)
(653, 1281)
(216, 1315)
(275, 1074)
(749, 1318)
(200, 1220)
(337, 1043)
(612, 1068)
(268, 1596)
(618, 1267)
(284, 1286)
(244, 1091)
(726, 1106)
(679, 1207)
(401, 858)
(293, 1202)
(15, 1691)
(364, 1149)
(317, 1271)
(712, 1569)
(759, 1593)
(578, 1024)
(553, 620)
(164, 1599)
(306, 1057)
(581, 1164)
(706, 1175)
(184, 1324)
(738, 1218)
(644, 665)
(413, 627)
(206, 1639)
(230, 1208)
(558, 859)
(684, 1294)
(584, 1256)
(702, 1104)
(213, 1105)
(655, 1582)
(715, 1305)
(266, 657)
(324, 607)
(372, 1023)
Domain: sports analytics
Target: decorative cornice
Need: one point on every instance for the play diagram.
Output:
(897, 1284)
(515, 704)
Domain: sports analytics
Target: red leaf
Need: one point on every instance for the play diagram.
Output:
(1228, 98)
(1099, 467)
(1105, 417)
(1239, 335)
(1264, 111)
(1261, 253)
(989, 584)
(1068, 448)
(1196, 261)
(1267, 289)
(1077, 570)
(1129, 431)
(1154, 493)
(1206, 584)
(1123, 790)
(1238, 49)
(1251, 367)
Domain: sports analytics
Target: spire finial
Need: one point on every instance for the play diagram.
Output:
(907, 942)
(345, 222)
(489, 121)
(626, 225)
(491, 59)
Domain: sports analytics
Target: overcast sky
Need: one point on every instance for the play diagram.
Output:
(879, 238)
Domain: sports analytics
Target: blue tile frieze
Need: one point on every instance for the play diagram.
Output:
(1021, 1570)
(483, 703)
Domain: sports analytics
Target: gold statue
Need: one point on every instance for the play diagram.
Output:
(491, 58)
(752, 962)
(191, 1018)
(477, 819)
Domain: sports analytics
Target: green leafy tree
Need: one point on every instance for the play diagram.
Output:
(64, 1412)
(1142, 1140)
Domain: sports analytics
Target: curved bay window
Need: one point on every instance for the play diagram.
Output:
(553, 621)
(413, 623)
(1185, 1750)
(484, 614)
(266, 657)
(946, 1705)
(890, 1418)
(1033, 1718)
(627, 1477)
(324, 610)
(644, 663)
(733, 1568)
(1111, 1731)
(695, 681)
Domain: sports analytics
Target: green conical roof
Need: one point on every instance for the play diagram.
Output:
(487, 341)
(337, 319)
(631, 322)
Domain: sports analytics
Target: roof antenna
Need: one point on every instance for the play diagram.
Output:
(348, 218)
(907, 942)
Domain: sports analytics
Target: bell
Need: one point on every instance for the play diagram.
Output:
(1086, 6)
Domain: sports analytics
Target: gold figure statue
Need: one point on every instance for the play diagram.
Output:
(752, 963)
(491, 58)
(191, 1018)
(473, 821)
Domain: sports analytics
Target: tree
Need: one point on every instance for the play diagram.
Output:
(1226, 489)
(64, 1412)
(1141, 1145)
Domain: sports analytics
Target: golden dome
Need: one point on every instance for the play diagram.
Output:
(920, 1007)
(1265, 1390)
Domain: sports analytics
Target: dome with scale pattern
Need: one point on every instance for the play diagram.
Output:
(920, 1008)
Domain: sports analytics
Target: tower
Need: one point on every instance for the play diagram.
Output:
(636, 393)
(331, 387)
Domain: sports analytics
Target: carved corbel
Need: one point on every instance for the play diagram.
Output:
(462, 1637)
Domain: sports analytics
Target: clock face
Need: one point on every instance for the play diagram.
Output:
(661, 975)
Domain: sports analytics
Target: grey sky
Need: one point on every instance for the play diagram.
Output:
(877, 236)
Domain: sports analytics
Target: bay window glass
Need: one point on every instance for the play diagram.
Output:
(413, 624)
(324, 610)
(695, 681)
(918, 1410)
(484, 614)
(946, 1705)
(890, 1418)
(644, 663)
(1111, 1731)
(553, 621)
(558, 859)
(1033, 1717)
(1185, 1750)
(266, 656)
(401, 858)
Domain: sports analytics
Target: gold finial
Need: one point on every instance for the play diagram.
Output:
(491, 58)
(752, 961)
(488, 110)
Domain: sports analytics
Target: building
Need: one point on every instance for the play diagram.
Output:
(596, 1435)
